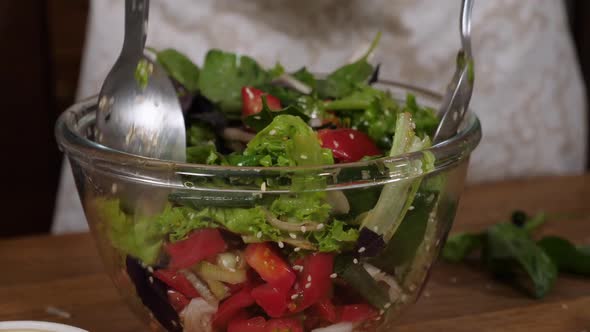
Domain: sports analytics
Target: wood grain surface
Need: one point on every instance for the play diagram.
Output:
(64, 272)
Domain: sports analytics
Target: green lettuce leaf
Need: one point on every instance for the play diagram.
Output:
(139, 237)
(302, 207)
(287, 141)
(179, 222)
(336, 236)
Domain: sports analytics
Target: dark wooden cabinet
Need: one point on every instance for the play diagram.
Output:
(41, 46)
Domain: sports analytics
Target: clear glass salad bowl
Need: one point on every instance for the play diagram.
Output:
(202, 283)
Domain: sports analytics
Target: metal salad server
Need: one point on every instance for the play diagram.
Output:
(144, 119)
(459, 90)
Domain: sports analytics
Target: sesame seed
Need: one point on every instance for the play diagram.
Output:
(381, 312)
(387, 305)
(114, 188)
(303, 156)
(237, 258)
(296, 249)
(336, 144)
(564, 306)
(293, 236)
(362, 249)
(308, 285)
(151, 279)
(281, 244)
(411, 207)
(263, 186)
(174, 323)
(319, 226)
(427, 294)
(294, 296)
(150, 269)
(333, 275)
(272, 132)
(303, 229)
(375, 229)
(355, 261)
(309, 277)
(412, 287)
(298, 268)
(257, 117)
(259, 235)
(351, 135)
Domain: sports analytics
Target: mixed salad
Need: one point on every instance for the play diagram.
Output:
(306, 260)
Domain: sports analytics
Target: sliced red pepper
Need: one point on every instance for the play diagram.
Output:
(256, 324)
(325, 310)
(273, 300)
(231, 306)
(177, 300)
(178, 282)
(241, 323)
(199, 245)
(269, 265)
(314, 283)
(357, 312)
(252, 101)
(284, 325)
(347, 144)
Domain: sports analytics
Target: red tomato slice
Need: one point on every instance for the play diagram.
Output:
(240, 324)
(271, 299)
(232, 306)
(284, 325)
(199, 245)
(177, 300)
(325, 310)
(357, 312)
(347, 144)
(269, 265)
(314, 283)
(252, 101)
(178, 282)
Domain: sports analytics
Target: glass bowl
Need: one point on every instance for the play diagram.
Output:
(361, 286)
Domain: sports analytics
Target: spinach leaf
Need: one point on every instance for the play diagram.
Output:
(343, 80)
(306, 77)
(584, 249)
(460, 245)
(566, 256)
(261, 120)
(180, 68)
(224, 74)
(508, 251)
(535, 222)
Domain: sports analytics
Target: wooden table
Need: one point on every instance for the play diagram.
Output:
(64, 272)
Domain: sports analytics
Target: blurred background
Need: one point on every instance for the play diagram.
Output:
(43, 43)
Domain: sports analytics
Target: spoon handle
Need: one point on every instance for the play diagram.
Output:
(136, 22)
